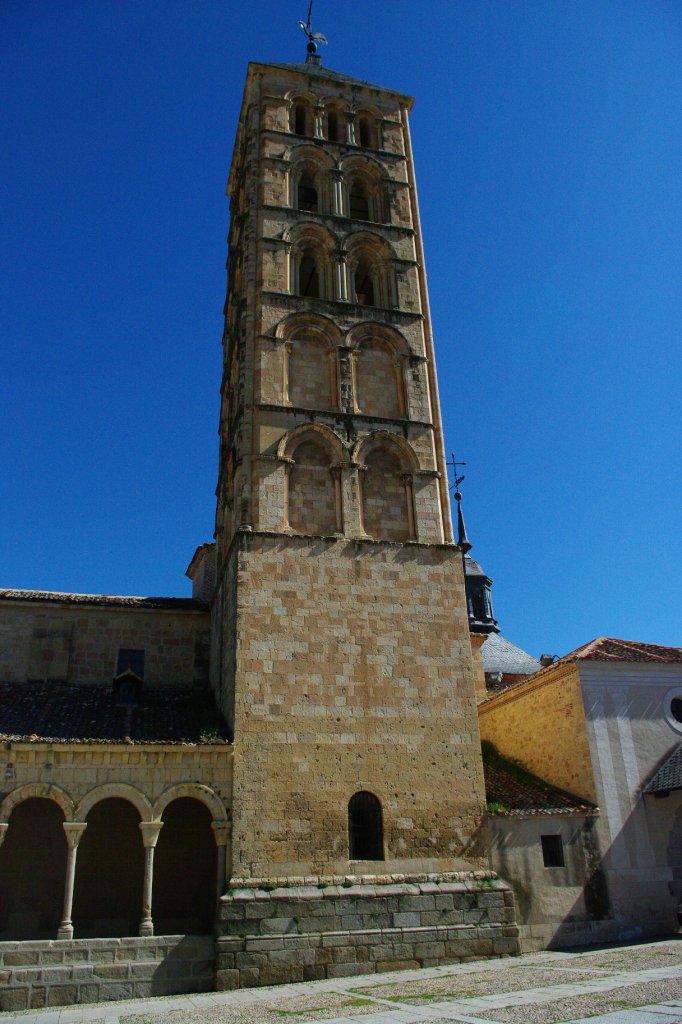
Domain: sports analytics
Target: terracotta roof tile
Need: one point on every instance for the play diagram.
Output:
(53, 596)
(61, 713)
(510, 789)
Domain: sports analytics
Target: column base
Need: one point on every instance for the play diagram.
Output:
(65, 931)
(146, 928)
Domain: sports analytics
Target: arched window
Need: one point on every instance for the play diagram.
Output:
(365, 131)
(378, 380)
(365, 827)
(306, 193)
(358, 201)
(309, 373)
(363, 283)
(333, 126)
(300, 119)
(386, 514)
(308, 277)
(312, 500)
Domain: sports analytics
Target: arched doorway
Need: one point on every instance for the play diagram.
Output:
(32, 871)
(184, 896)
(109, 872)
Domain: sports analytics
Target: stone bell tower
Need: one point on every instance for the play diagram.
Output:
(342, 655)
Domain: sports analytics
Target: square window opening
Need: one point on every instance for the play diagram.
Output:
(552, 851)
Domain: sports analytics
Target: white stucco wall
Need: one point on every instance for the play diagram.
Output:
(631, 733)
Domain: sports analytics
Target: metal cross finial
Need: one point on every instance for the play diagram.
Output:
(453, 464)
(313, 37)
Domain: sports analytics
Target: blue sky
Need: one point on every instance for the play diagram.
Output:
(548, 148)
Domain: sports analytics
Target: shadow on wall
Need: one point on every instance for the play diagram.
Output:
(570, 894)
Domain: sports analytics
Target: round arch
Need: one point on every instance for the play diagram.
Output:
(370, 331)
(44, 790)
(115, 789)
(190, 789)
(312, 431)
(392, 442)
(321, 326)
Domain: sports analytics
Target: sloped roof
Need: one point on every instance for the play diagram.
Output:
(32, 712)
(512, 790)
(608, 648)
(319, 71)
(668, 776)
(109, 600)
(500, 655)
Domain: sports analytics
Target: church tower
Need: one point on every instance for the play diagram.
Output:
(342, 658)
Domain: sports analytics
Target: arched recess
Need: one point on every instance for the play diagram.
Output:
(314, 504)
(388, 465)
(370, 270)
(365, 827)
(310, 374)
(301, 116)
(110, 790)
(367, 128)
(334, 121)
(38, 789)
(32, 870)
(311, 262)
(203, 794)
(309, 180)
(184, 890)
(379, 360)
(109, 871)
(364, 190)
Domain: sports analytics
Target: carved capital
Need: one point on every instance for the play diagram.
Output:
(150, 833)
(221, 831)
(74, 831)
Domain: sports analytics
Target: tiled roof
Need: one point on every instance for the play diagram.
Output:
(169, 603)
(608, 648)
(61, 713)
(510, 789)
(668, 776)
(499, 655)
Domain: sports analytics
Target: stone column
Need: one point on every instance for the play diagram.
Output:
(3, 831)
(350, 128)
(150, 833)
(221, 831)
(341, 276)
(74, 830)
(337, 192)
(408, 483)
(319, 121)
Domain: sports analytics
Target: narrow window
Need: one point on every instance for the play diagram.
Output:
(307, 193)
(676, 708)
(552, 851)
(364, 287)
(308, 278)
(130, 661)
(365, 132)
(299, 119)
(333, 126)
(358, 202)
(365, 828)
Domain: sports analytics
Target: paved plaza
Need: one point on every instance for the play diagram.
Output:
(620, 985)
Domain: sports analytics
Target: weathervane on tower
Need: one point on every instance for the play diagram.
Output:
(313, 38)
(462, 539)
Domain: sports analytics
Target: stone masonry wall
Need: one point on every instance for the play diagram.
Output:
(68, 971)
(80, 643)
(306, 932)
(354, 673)
(542, 724)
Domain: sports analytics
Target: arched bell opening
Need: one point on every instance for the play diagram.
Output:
(109, 872)
(32, 871)
(184, 892)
